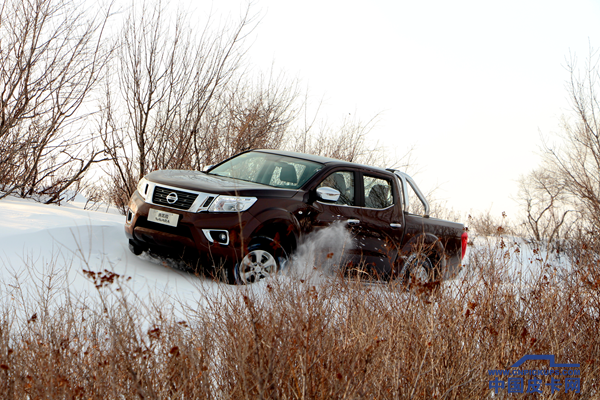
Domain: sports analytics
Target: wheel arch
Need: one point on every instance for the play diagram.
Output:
(280, 230)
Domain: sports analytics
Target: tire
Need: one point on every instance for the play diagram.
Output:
(417, 268)
(263, 259)
(135, 248)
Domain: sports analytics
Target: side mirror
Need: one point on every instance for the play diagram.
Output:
(328, 194)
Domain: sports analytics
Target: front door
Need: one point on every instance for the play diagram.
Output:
(369, 208)
(337, 247)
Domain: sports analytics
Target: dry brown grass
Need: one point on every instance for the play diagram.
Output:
(339, 339)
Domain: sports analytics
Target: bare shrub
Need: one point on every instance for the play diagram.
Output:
(339, 339)
(440, 209)
(485, 224)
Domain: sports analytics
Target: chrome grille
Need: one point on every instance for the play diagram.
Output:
(184, 199)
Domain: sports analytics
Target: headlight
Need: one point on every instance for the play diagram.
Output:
(143, 187)
(231, 204)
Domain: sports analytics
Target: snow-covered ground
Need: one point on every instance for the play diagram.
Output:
(43, 246)
(48, 245)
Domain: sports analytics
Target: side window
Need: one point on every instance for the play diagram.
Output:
(378, 192)
(342, 181)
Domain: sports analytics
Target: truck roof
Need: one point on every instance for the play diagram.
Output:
(320, 159)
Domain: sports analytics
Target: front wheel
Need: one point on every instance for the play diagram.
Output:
(256, 265)
(135, 248)
(263, 259)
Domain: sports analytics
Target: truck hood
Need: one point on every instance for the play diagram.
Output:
(206, 183)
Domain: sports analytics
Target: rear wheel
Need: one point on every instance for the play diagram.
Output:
(417, 268)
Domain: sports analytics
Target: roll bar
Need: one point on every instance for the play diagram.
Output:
(407, 180)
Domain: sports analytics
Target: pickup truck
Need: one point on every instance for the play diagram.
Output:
(247, 215)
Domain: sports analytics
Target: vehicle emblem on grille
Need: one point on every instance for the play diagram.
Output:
(172, 197)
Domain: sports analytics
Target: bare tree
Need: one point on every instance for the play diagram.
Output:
(51, 59)
(347, 142)
(574, 165)
(184, 100)
(249, 114)
(546, 205)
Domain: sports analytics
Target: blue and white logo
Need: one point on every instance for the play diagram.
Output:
(565, 376)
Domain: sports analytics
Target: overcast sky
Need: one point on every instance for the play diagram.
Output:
(471, 84)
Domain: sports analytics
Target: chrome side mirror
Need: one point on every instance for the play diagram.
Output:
(328, 194)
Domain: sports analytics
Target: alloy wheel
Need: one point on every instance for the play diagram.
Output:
(257, 265)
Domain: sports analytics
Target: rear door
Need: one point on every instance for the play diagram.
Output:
(380, 226)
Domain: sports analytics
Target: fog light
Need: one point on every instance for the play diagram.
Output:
(220, 236)
(129, 216)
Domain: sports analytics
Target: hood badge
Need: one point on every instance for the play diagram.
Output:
(172, 198)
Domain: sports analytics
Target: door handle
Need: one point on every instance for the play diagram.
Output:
(353, 221)
(395, 225)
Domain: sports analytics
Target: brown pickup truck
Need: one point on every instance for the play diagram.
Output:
(249, 213)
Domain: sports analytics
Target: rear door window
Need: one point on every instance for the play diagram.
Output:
(378, 192)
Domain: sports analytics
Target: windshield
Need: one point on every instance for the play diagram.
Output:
(269, 169)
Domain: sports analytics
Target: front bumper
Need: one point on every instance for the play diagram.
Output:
(189, 238)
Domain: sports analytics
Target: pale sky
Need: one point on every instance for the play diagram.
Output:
(471, 84)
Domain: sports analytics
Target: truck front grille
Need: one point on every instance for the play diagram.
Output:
(166, 197)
